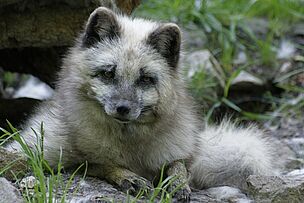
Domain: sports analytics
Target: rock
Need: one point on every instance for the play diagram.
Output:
(203, 60)
(92, 190)
(299, 172)
(8, 193)
(259, 26)
(288, 127)
(15, 163)
(202, 196)
(297, 145)
(34, 88)
(277, 189)
(28, 184)
(246, 79)
(205, 76)
(194, 36)
(241, 58)
(47, 23)
(228, 194)
(298, 32)
(39, 32)
(286, 50)
(285, 158)
(298, 29)
(285, 67)
(294, 163)
(245, 88)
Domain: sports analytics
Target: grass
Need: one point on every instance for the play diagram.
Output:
(225, 22)
(160, 192)
(227, 27)
(50, 186)
(48, 181)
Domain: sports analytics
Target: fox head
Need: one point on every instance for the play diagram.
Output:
(130, 65)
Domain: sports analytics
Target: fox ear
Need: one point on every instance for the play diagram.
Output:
(102, 24)
(167, 41)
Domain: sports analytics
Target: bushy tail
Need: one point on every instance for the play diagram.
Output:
(229, 154)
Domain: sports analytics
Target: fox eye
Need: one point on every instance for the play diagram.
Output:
(147, 80)
(107, 74)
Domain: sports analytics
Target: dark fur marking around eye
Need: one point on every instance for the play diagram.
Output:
(146, 79)
(106, 72)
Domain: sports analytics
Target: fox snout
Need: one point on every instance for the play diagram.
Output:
(123, 110)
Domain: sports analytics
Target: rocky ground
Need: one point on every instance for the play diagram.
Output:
(278, 189)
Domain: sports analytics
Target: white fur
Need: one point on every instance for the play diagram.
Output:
(75, 123)
(229, 154)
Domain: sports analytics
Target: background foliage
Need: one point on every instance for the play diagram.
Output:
(254, 28)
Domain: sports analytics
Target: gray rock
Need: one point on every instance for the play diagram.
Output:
(245, 77)
(14, 163)
(28, 184)
(286, 50)
(298, 29)
(8, 193)
(241, 58)
(202, 196)
(294, 163)
(277, 189)
(228, 194)
(93, 190)
(297, 145)
(194, 36)
(259, 26)
(203, 60)
(288, 127)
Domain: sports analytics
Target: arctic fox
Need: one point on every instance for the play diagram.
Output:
(121, 104)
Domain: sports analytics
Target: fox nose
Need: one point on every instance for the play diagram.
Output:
(123, 110)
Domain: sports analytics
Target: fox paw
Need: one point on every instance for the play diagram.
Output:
(183, 194)
(135, 185)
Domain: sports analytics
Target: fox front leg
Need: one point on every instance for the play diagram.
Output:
(178, 171)
(124, 179)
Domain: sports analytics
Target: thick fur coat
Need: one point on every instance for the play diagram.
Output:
(121, 100)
